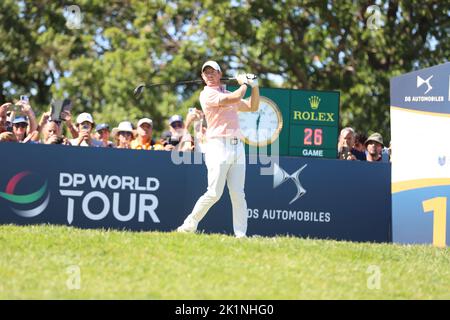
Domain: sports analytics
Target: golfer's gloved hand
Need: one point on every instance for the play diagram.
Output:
(248, 79)
(252, 81)
(241, 79)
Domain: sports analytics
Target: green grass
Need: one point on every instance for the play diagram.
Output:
(35, 263)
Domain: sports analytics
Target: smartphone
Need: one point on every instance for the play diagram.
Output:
(66, 107)
(345, 153)
(24, 98)
(192, 110)
(56, 107)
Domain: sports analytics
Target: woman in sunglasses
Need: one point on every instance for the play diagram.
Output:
(123, 135)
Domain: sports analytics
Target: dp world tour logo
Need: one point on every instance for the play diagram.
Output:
(26, 205)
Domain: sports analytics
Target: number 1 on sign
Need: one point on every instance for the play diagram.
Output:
(439, 207)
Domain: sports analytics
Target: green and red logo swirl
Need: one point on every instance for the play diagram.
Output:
(26, 205)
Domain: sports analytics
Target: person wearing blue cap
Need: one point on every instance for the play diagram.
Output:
(177, 138)
(103, 134)
(26, 120)
(20, 126)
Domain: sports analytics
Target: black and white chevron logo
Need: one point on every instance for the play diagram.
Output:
(280, 176)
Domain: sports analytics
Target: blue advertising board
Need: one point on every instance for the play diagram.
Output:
(151, 190)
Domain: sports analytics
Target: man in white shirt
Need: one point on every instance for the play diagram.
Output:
(224, 149)
(85, 125)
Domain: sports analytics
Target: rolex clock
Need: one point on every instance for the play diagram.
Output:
(262, 127)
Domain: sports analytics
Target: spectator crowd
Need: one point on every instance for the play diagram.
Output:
(357, 146)
(18, 124)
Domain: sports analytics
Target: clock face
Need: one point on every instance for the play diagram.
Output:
(262, 127)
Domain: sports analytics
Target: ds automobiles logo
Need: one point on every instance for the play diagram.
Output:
(26, 205)
(280, 176)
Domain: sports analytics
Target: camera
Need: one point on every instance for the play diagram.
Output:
(55, 140)
(174, 140)
(59, 140)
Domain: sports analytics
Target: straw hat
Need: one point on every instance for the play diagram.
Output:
(123, 126)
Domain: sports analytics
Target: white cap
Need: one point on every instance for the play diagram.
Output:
(211, 64)
(123, 126)
(82, 117)
(145, 120)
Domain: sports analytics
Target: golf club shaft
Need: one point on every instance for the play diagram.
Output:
(138, 90)
(183, 82)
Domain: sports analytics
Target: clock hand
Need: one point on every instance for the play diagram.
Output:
(258, 120)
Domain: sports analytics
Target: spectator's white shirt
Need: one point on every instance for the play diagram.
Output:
(94, 143)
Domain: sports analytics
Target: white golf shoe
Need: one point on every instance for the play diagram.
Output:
(187, 227)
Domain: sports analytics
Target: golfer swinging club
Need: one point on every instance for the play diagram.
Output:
(224, 150)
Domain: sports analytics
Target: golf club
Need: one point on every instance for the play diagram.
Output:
(140, 88)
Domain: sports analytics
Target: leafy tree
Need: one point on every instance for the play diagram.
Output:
(293, 44)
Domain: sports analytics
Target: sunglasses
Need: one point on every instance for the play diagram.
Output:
(21, 125)
(124, 133)
(176, 125)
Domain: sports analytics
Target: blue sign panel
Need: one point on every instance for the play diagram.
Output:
(155, 190)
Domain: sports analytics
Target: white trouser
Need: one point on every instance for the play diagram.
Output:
(226, 163)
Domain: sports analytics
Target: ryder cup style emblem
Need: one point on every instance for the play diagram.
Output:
(26, 205)
(280, 176)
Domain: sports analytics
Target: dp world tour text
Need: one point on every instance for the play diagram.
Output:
(77, 190)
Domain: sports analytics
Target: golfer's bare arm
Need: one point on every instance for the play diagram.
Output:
(252, 104)
(233, 97)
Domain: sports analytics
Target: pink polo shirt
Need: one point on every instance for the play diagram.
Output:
(222, 121)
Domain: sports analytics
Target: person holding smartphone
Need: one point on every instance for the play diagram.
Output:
(178, 137)
(4, 116)
(66, 116)
(85, 124)
(346, 146)
(23, 119)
